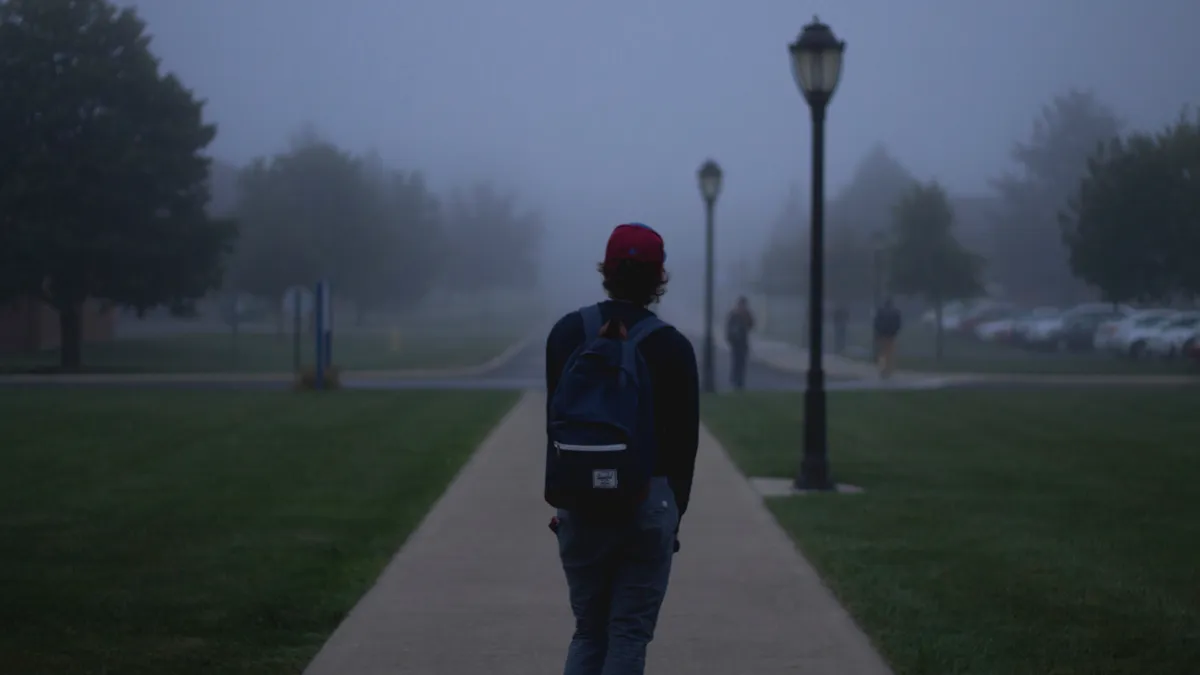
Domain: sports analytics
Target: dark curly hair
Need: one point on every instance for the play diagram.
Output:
(636, 282)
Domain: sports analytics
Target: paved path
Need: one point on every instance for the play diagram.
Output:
(478, 589)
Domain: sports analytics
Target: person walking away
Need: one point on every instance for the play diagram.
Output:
(622, 427)
(737, 333)
(841, 317)
(887, 327)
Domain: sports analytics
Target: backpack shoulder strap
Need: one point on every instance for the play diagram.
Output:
(642, 329)
(592, 321)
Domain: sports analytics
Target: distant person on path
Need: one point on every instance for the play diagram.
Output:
(841, 317)
(737, 333)
(887, 327)
(622, 427)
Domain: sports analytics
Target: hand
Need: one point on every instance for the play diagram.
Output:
(676, 548)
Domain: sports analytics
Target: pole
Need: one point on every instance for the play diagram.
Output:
(709, 376)
(814, 468)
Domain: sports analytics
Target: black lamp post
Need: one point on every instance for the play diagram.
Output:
(710, 187)
(878, 241)
(816, 65)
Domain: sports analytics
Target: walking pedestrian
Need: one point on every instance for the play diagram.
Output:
(737, 333)
(887, 326)
(623, 417)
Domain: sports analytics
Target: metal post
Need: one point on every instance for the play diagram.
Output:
(814, 468)
(709, 377)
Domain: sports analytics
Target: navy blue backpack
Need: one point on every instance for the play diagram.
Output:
(601, 449)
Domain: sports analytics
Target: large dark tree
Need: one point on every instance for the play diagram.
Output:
(1028, 256)
(1133, 227)
(925, 258)
(103, 180)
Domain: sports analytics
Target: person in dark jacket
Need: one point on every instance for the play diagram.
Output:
(617, 570)
(887, 327)
(737, 333)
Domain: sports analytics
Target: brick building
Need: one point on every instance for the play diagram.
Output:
(28, 324)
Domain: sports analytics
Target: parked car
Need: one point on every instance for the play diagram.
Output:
(984, 314)
(1079, 332)
(954, 308)
(1134, 340)
(1110, 336)
(1173, 337)
(1050, 334)
(1026, 323)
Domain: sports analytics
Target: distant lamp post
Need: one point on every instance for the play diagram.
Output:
(816, 57)
(710, 188)
(878, 243)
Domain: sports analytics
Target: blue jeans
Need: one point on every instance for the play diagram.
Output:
(617, 575)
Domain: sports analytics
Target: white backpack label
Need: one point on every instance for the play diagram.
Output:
(604, 479)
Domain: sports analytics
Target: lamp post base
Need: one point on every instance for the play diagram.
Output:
(814, 467)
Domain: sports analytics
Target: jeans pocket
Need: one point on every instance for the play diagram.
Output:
(657, 520)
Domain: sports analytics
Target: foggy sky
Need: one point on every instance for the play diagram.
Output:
(603, 111)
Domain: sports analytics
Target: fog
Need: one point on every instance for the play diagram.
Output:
(600, 113)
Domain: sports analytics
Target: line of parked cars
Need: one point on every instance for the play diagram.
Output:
(1117, 329)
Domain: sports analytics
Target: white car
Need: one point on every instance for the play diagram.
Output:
(1174, 336)
(955, 308)
(994, 331)
(1134, 340)
(1037, 320)
(1111, 335)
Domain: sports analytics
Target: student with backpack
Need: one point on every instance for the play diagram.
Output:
(622, 426)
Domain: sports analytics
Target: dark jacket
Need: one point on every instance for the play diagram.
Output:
(738, 327)
(887, 322)
(671, 361)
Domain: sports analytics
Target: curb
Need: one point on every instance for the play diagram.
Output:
(488, 366)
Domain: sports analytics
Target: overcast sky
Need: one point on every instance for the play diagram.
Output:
(602, 111)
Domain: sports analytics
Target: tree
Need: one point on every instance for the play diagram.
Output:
(1029, 258)
(858, 211)
(317, 212)
(307, 214)
(103, 180)
(1133, 226)
(925, 258)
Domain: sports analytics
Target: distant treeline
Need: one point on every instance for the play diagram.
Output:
(377, 233)
(1090, 213)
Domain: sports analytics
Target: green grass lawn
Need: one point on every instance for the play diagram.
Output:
(1001, 532)
(266, 352)
(201, 532)
(961, 354)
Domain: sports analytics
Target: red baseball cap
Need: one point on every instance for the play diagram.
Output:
(636, 242)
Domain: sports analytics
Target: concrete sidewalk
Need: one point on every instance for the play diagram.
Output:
(478, 588)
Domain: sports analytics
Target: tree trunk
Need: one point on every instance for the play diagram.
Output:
(70, 330)
(937, 335)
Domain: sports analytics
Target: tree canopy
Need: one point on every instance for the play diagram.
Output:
(1028, 256)
(1133, 225)
(103, 180)
(926, 259)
